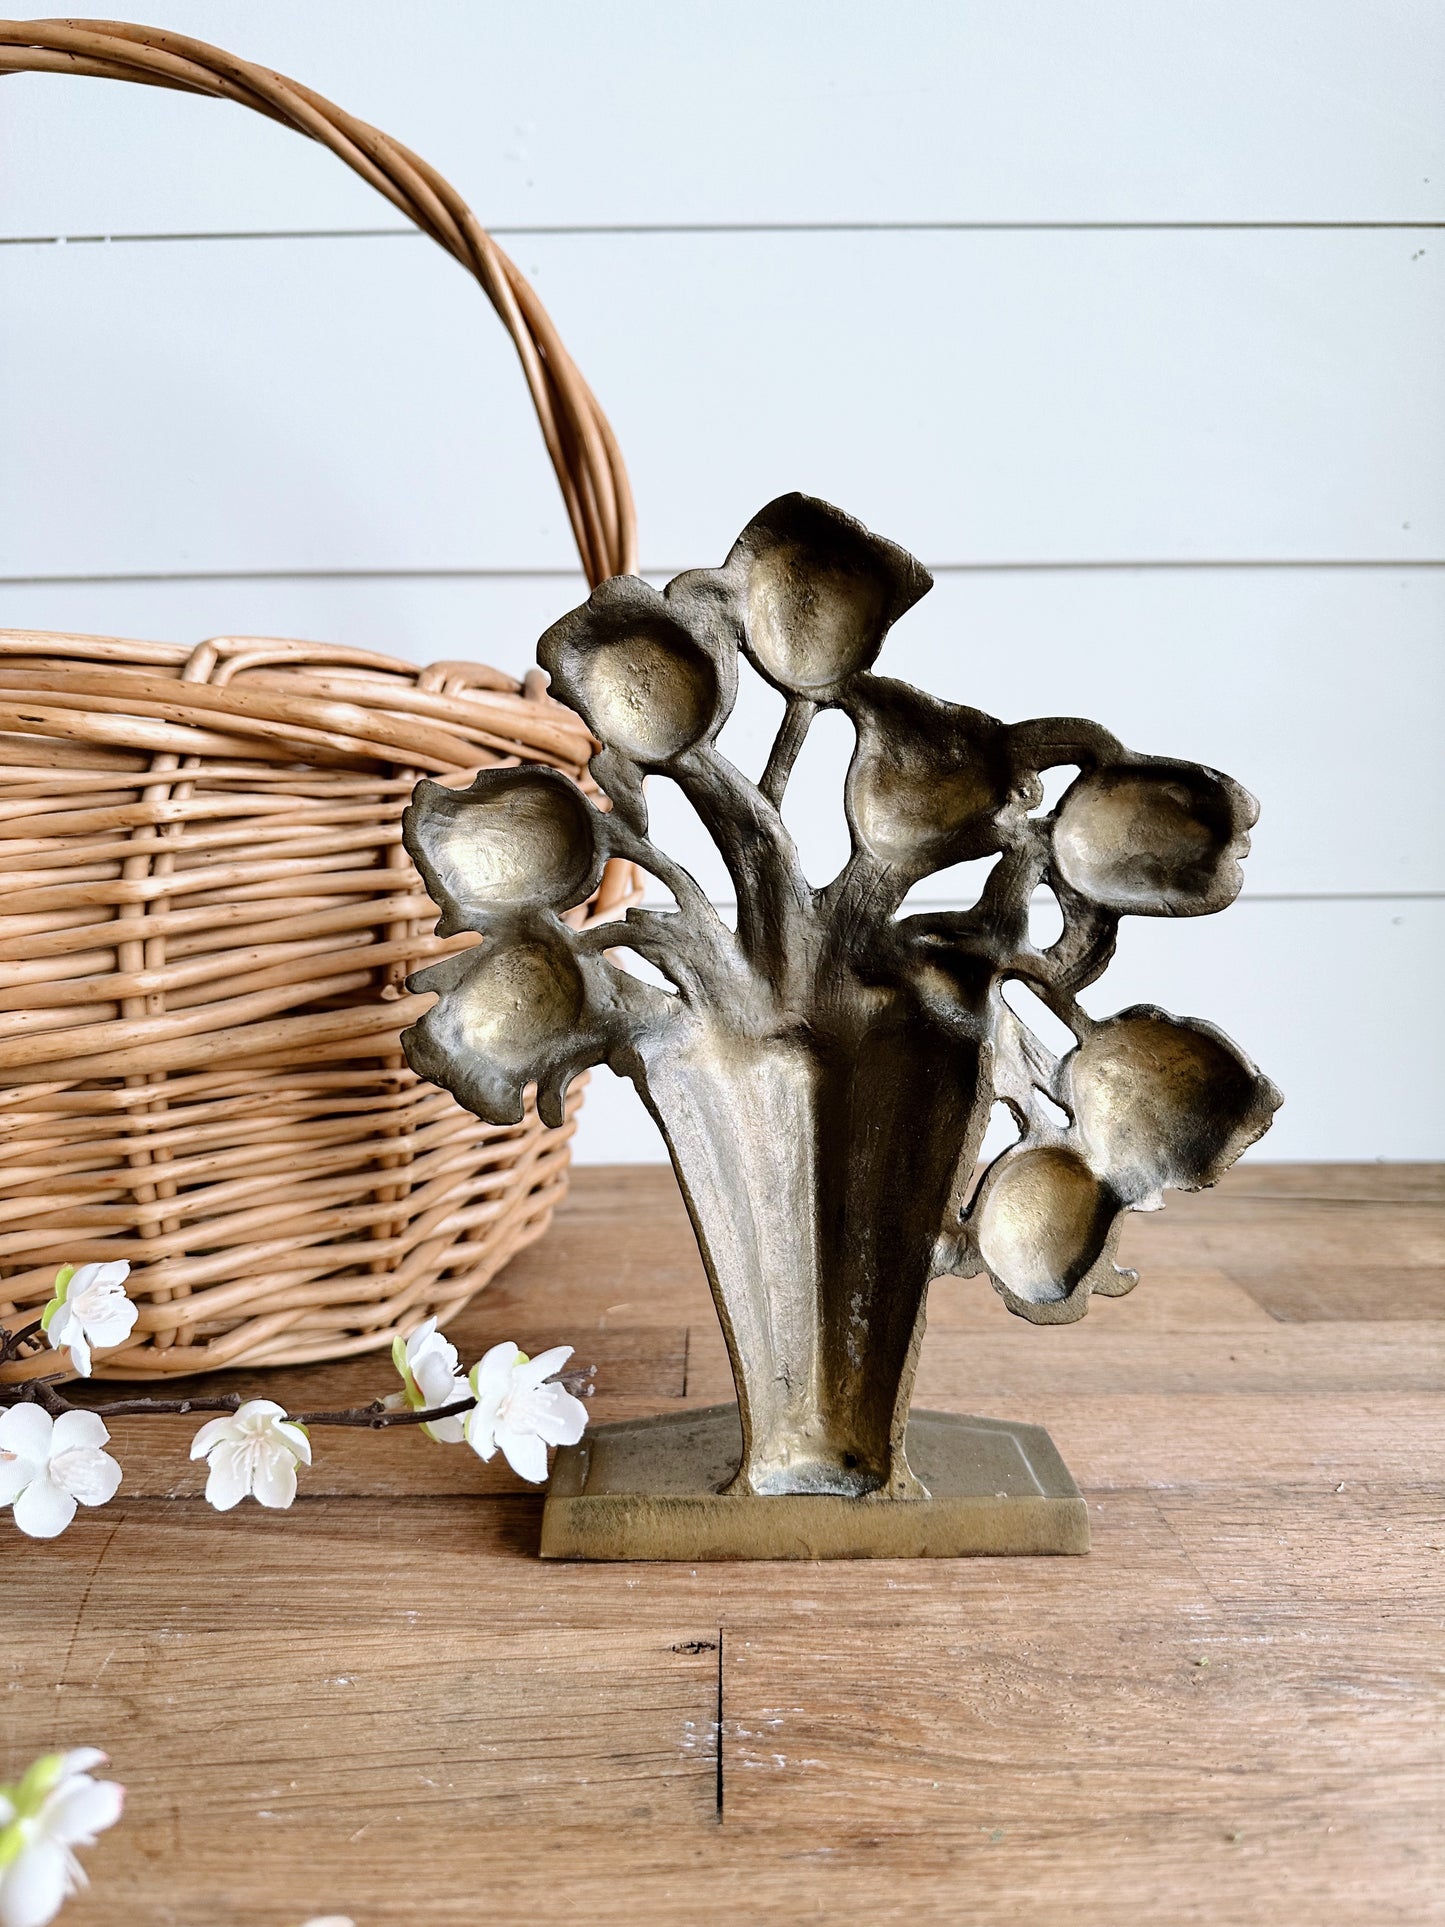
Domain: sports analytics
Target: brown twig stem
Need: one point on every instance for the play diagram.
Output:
(10, 1342)
(376, 1417)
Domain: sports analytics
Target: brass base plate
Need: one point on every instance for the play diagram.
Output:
(652, 1489)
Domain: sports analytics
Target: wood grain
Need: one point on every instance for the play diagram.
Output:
(1228, 1715)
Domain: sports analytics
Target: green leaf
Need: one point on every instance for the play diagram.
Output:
(62, 1284)
(39, 1779)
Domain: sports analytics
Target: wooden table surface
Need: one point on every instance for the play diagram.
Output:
(381, 1703)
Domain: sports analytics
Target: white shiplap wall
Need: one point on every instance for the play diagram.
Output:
(1125, 318)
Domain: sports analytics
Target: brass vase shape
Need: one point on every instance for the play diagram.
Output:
(823, 1074)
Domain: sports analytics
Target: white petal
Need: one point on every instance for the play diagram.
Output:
(16, 1474)
(481, 1432)
(79, 1350)
(216, 1431)
(43, 1510)
(526, 1454)
(275, 1483)
(438, 1346)
(230, 1478)
(76, 1812)
(447, 1431)
(257, 1413)
(80, 1759)
(458, 1390)
(436, 1375)
(294, 1439)
(111, 1276)
(417, 1341)
(486, 1411)
(540, 1367)
(493, 1376)
(113, 1323)
(25, 1430)
(556, 1416)
(33, 1887)
(88, 1475)
(78, 1431)
(63, 1327)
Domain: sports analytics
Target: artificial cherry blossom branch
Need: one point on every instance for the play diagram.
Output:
(52, 1456)
(376, 1417)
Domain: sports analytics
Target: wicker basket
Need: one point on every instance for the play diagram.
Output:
(208, 917)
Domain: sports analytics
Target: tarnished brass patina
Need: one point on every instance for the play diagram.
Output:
(823, 1075)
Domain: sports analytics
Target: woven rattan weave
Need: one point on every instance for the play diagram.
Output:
(207, 917)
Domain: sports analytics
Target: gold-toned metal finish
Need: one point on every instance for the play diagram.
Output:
(824, 1073)
(666, 1488)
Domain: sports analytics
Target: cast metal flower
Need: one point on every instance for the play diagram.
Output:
(824, 1073)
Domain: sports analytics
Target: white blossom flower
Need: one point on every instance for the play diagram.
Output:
(90, 1307)
(49, 1465)
(55, 1808)
(431, 1372)
(516, 1411)
(253, 1450)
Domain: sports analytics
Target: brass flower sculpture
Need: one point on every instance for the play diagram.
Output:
(824, 1074)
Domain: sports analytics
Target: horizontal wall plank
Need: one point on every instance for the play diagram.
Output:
(1323, 691)
(983, 397)
(565, 113)
(1336, 1001)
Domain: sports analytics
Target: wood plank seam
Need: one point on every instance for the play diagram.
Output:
(718, 1727)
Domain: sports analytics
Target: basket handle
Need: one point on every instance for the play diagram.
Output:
(579, 439)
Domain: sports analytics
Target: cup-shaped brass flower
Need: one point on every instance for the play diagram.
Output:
(823, 1074)
(1152, 1102)
(1154, 839)
(649, 685)
(1164, 1103)
(1042, 1223)
(516, 837)
(818, 594)
(507, 1015)
(929, 781)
